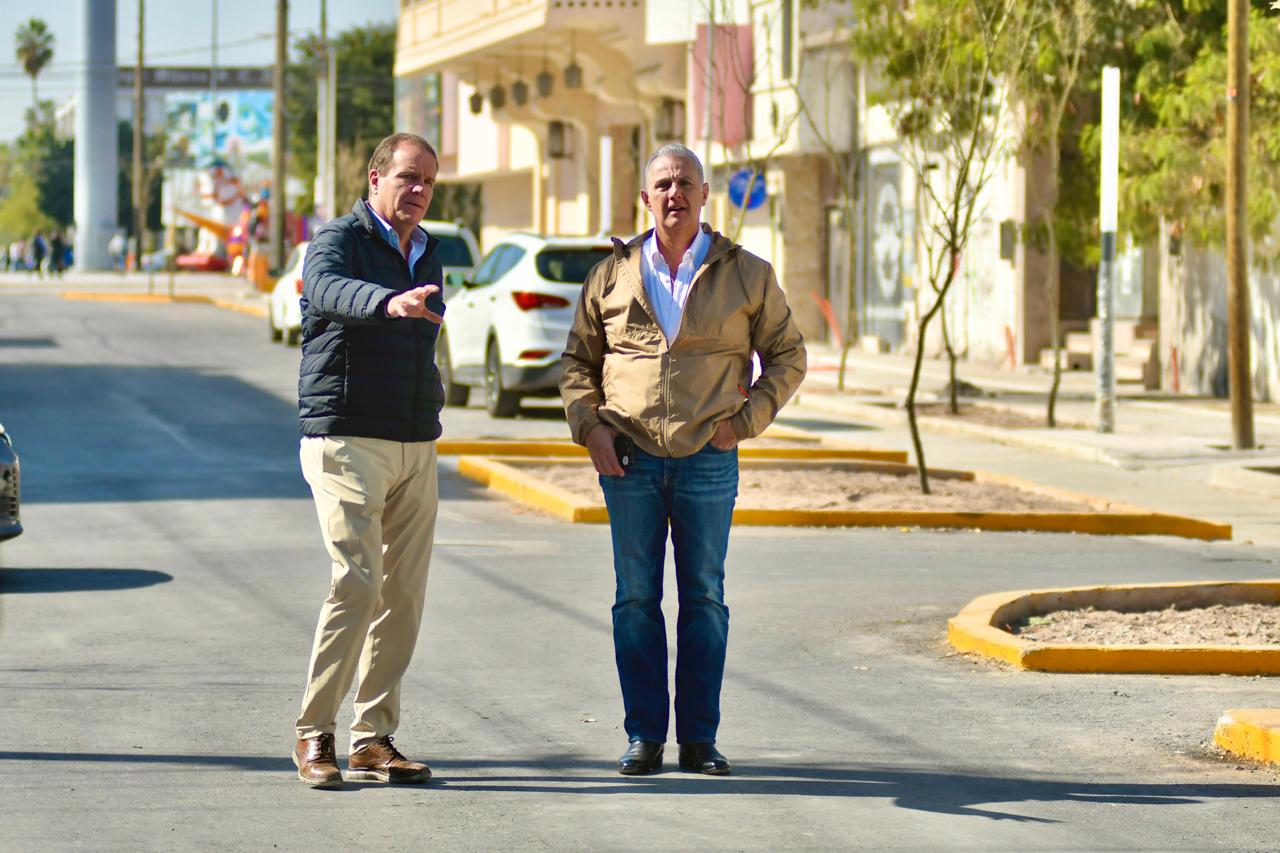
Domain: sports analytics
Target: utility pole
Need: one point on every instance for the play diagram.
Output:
(213, 78)
(708, 112)
(326, 113)
(139, 211)
(1241, 382)
(277, 204)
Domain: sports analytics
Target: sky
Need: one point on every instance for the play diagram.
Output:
(178, 32)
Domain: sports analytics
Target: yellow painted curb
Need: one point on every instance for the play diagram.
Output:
(1105, 518)
(1252, 733)
(560, 448)
(530, 490)
(108, 296)
(240, 307)
(977, 629)
(195, 298)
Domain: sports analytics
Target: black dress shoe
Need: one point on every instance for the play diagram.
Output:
(703, 758)
(641, 757)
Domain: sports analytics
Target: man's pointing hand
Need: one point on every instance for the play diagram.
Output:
(413, 303)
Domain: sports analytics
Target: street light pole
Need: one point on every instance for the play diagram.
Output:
(1241, 383)
(139, 214)
(277, 205)
(1105, 357)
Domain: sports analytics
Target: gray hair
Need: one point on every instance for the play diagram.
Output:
(673, 149)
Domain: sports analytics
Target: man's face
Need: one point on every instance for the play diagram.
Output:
(402, 193)
(674, 194)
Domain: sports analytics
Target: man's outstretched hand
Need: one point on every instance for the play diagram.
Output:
(413, 303)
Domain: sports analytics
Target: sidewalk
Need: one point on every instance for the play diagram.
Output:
(219, 289)
(1153, 430)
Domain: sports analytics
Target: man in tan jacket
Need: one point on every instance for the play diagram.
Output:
(658, 387)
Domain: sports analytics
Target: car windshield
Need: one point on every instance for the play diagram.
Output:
(569, 266)
(453, 251)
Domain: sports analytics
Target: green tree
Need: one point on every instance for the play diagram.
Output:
(33, 46)
(365, 105)
(1174, 155)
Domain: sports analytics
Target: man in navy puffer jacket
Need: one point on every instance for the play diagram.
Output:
(369, 400)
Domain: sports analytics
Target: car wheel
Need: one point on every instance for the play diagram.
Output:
(277, 334)
(498, 401)
(454, 395)
(293, 338)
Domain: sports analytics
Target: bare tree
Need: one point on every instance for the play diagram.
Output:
(1043, 94)
(945, 62)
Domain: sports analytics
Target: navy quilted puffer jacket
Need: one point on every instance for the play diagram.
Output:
(364, 373)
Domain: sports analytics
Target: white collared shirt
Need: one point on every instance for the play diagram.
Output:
(668, 293)
(417, 240)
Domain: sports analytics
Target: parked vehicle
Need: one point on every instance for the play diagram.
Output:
(506, 327)
(284, 313)
(10, 497)
(457, 250)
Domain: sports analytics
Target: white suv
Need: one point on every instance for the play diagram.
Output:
(505, 329)
(457, 251)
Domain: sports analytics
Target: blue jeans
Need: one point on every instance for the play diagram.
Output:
(693, 497)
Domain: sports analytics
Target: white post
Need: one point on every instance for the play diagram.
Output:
(1105, 365)
(606, 184)
(95, 164)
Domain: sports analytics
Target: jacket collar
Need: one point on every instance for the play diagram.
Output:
(361, 211)
(628, 258)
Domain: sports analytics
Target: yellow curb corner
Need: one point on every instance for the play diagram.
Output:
(977, 629)
(1252, 733)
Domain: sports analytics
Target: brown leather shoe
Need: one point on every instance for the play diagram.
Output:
(316, 762)
(380, 761)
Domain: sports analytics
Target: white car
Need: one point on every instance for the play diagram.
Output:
(506, 327)
(284, 313)
(457, 251)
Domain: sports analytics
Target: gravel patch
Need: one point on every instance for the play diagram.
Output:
(1217, 625)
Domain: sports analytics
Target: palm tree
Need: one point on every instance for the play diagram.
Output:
(33, 45)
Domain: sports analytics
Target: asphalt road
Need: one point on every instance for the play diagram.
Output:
(156, 616)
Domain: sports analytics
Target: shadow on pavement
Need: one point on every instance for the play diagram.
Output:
(958, 793)
(938, 791)
(124, 433)
(77, 580)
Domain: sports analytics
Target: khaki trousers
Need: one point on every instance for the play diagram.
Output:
(377, 502)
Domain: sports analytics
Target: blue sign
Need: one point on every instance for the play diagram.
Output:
(739, 182)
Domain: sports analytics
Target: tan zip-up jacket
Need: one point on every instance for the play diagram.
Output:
(668, 397)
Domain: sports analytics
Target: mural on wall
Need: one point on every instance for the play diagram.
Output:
(218, 154)
(882, 271)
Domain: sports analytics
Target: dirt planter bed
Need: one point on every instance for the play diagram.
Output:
(832, 493)
(982, 628)
(771, 447)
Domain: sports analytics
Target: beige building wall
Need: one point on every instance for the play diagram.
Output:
(506, 206)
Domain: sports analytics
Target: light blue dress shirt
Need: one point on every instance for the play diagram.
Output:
(668, 293)
(417, 240)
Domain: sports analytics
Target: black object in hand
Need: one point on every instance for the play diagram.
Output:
(625, 450)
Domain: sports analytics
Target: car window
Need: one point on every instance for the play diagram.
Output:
(453, 251)
(569, 266)
(293, 257)
(508, 260)
(485, 272)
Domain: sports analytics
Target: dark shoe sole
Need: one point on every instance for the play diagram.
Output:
(386, 778)
(322, 784)
(713, 771)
